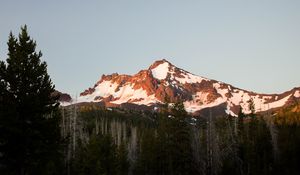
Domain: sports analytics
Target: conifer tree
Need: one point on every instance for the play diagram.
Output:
(122, 160)
(29, 117)
(179, 142)
(181, 148)
(97, 157)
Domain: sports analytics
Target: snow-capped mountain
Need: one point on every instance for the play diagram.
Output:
(162, 80)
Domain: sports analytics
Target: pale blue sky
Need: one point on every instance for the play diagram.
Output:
(254, 45)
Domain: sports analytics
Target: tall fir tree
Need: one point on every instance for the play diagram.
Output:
(180, 148)
(29, 116)
(99, 156)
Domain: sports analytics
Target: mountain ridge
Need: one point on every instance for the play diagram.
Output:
(163, 80)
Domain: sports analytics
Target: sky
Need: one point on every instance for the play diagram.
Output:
(253, 45)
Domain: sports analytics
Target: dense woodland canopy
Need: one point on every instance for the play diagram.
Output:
(38, 137)
(172, 142)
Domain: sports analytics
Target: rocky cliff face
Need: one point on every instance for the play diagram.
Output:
(162, 81)
(63, 97)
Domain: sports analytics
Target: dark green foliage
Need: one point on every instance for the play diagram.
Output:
(289, 147)
(169, 151)
(288, 123)
(122, 160)
(180, 142)
(288, 116)
(251, 106)
(241, 117)
(166, 144)
(149, 160)
(100, 154)
(29, 116)
(254, 145)
(97, 157)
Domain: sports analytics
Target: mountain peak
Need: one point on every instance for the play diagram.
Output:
(160, 69)
(159, 62)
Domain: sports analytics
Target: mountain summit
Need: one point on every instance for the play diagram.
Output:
(162, 80)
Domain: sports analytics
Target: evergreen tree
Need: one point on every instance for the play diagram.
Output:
(241, 138)
(176, 135)
(148, 161)
(97, 157)
(241, 117)
(181, 149)
(122, 160)
(251, 106)
(29, 117)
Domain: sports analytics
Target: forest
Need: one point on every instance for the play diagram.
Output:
(39, 136)
(118, 141)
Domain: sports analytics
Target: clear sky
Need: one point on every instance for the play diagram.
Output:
(254, 45)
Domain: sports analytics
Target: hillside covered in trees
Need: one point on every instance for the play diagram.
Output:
(172, 142)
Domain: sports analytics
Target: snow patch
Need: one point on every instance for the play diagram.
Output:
(161, 71)
(201, 97)
(191, 106)
(242, 98)
(237, 97)
(104, 89)
(124, 94)
(189, 78)
(220, 91)
(280, 102)
(139, 96)
(297, 94)
(65, 103)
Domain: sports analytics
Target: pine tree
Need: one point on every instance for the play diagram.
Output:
(241, 139)
(29, 117)
(251, 106)
(97, 157)
(122, 160)
(179, 142)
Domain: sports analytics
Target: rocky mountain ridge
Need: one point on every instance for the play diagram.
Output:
(162, 80)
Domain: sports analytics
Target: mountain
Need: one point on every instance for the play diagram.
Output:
(64, 98)
(162, 80)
